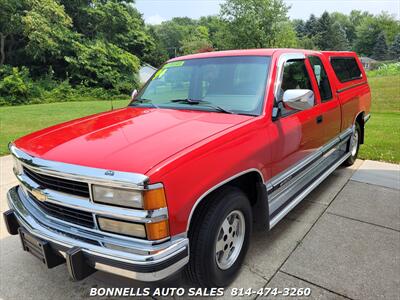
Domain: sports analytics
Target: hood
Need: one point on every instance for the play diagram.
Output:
(129, 139)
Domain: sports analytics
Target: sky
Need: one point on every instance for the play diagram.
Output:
(156, 11)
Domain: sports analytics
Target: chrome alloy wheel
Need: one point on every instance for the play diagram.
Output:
(354, 143)
(230, 239)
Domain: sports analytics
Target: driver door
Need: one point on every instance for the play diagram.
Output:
(298, 133)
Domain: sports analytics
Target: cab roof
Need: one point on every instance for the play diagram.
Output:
(258, 52)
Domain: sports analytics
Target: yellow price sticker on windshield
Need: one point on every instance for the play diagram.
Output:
(160, 73)
(175, 64)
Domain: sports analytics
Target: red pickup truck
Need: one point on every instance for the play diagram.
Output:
(214, 145)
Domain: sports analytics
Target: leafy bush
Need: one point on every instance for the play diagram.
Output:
(385, 70)
(15, 87)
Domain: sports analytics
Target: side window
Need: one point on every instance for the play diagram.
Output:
(321, 77)
(295, 76)
(346, 68)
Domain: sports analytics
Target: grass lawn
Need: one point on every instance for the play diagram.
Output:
(382, 140)
(382, 132)
(382, 137)
(16, 121)
(385, 93)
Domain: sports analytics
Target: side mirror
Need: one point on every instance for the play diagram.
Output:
(299, 99)
(134, 94)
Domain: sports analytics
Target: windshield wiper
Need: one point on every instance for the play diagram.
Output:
(145, 101)
(187, 100)
(204, 103)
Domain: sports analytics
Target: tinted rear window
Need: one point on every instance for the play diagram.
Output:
(346, 68)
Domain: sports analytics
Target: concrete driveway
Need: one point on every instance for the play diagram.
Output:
(342, 241)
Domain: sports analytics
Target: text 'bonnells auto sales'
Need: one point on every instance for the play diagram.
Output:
(163, 292)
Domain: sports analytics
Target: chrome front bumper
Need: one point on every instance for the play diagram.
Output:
(132, 259)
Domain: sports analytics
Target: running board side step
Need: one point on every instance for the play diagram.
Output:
(306, 191)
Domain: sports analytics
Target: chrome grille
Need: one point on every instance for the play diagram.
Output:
(58, 184)
(64, 213)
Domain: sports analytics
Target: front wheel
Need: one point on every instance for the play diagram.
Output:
(219, 238)
(354, 146)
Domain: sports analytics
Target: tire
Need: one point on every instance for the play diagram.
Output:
(206, 268)
(354, 146)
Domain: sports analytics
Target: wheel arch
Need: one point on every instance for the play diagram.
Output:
(251, 183)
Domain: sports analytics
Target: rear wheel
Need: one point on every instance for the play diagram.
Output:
(354, 146)
(219, 238)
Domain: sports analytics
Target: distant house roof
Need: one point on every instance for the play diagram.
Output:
(365, 59)
(145, 72)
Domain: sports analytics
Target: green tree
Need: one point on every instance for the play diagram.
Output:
(156, 54)
(120, 24)
(356, 17)
(394, 50)
(47, 28)
(339, 38)
(389, 25)
(117, 22)
(323, 28)
(310, 27)
(287, 37)
(169, 35)
(300, 27)
(216, 30)
(256, 23)
(197, 41)
(380, 51)
(367, 33)
(330, 35)
(98, 63)
(370, 28)
(11, 13)
(345, 25)
(306, 43)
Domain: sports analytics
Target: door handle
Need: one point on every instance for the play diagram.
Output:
(319, 119)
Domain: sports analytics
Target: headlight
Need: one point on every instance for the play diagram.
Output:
(122, 227)
(155, 231)
(117, 196)
(149, 199)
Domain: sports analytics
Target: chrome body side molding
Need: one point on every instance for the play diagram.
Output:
(288, 188)
(351, 87)
(306, 191)
(278, 180)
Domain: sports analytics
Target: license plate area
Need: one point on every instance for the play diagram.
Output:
(40, 249)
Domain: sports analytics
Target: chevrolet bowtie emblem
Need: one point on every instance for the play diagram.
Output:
(39, 195)
(109, 173)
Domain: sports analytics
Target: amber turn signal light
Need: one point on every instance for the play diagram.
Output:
(157, 230)
(154, 199)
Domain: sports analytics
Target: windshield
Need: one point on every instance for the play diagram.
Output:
(225, 84)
